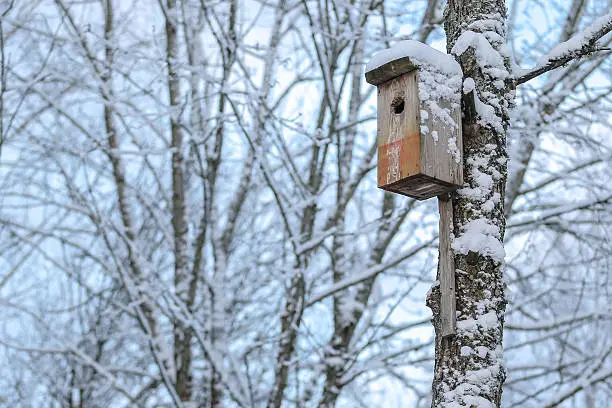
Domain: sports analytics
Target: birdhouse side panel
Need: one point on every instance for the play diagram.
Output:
(442, 143)
(399, 138)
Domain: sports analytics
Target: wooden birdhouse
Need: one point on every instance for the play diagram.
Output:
(419, 120)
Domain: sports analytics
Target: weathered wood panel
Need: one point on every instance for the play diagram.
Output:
(398, 130)
(447, 268)
(442, 147)
(389, 71)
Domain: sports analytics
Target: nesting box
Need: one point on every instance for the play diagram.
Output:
(419, 125)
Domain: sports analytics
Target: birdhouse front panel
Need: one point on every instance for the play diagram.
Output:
(398, 130)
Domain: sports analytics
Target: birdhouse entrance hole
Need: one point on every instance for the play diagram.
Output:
(397, 105)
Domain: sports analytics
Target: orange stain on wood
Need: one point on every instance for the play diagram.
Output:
(400, 159)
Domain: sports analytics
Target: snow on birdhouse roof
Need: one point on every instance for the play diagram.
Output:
(421, 55)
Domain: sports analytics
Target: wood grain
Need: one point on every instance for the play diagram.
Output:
(447, 268)
(436, 159)
(398, 133)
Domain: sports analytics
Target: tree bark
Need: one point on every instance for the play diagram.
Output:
(182, 279)
(469, 365)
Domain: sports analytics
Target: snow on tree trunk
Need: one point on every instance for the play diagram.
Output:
(469, 368)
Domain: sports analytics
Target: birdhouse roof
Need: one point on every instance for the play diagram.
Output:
(406, 56)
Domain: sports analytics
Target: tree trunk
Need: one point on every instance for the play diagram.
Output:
(469, 365)
(182, 280)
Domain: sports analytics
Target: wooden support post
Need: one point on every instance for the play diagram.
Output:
(448, 316)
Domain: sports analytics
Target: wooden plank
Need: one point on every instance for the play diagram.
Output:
(436, 158)
(390, 70)
(411, 187)
(448, 316)
(398, 131)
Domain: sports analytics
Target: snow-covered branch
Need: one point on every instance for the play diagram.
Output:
(578, 46)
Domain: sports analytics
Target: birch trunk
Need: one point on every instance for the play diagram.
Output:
(469, 368)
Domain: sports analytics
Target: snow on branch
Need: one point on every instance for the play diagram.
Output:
(578, 46)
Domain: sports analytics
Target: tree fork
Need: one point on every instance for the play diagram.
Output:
(469, 365)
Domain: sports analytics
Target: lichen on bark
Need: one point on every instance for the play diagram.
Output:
(469, 365)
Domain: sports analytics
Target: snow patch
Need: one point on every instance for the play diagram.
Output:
(480, 236)
(466, 351)
(453, 150)
(486, 112)
(489, 59)
(484, 322)
(419, 53)
(482, 351)
(491, 54)
(474, 401)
